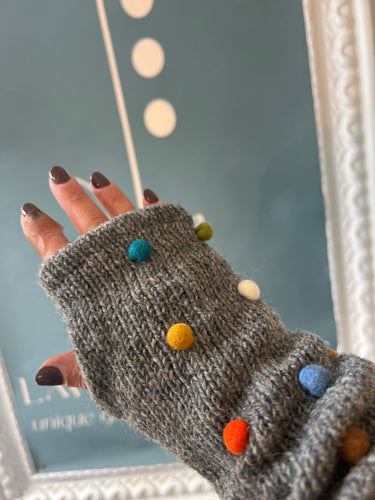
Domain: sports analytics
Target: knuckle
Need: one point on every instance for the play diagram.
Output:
(95, 222)
(120, 206)
(50, 232)
(76, 197)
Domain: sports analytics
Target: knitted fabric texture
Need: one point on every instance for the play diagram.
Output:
(243, 363)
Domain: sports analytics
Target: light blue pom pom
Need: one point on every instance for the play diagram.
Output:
(315, 379)
(139, 250)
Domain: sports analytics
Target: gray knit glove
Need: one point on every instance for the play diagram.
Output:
(166, 341)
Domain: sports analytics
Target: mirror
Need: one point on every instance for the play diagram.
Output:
(219, 118)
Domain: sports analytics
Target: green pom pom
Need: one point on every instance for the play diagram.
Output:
(204, 231)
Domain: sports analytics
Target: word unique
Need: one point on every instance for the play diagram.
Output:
(69, 422)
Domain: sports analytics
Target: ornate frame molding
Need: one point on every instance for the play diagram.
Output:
(341, 54)
(340, 39)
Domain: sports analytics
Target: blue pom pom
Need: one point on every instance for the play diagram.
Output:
(139, 250)
(315, 379)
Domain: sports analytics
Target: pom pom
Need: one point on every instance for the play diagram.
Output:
(315, 379)
(355, 445)
(236, 435)
(249, 289)
(204, 231)
(180, 336)
(332, 353)
(139, 250)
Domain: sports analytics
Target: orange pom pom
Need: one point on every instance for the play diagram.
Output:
(354, 446)
(236, 435)
(180, 336)
(332, 353)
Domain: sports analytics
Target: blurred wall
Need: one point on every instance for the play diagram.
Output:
(242, 152)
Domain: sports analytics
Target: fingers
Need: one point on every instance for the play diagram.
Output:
(61, 369)
(44, 234)
(80, 208)
(150, 198)
(112, 199)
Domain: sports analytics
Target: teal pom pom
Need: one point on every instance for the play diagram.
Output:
(139, 250)
(315, 379)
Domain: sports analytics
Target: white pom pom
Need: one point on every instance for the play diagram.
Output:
(249, 289)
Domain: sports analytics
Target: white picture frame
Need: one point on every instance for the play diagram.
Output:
(340, 40)
(341, 56)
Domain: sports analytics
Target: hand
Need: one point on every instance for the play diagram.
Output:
(47, 237)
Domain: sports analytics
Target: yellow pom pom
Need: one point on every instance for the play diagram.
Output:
(180, 336)
(332, 353)
(249, 289)
(204, 231)
(355, 445)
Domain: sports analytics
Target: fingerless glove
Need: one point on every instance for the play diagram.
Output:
(169, 339)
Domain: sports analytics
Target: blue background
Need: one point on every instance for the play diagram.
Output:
(243, 153)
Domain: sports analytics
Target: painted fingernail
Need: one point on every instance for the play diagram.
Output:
(49, 375)
(31, 211)
(150, 196)
(98, 180)
(59, 175)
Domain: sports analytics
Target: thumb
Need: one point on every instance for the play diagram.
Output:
(61, 369)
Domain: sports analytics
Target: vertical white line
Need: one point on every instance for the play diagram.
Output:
(24, 390)
(85, 184)
(120, 102)
(364, 16)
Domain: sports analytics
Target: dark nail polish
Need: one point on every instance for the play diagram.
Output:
(31, 211)
(59, 175)
(98, 180)
(49, 375)
(150, 196)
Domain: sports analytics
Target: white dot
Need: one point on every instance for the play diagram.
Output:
(249, 289)
(160, 118)
(137, 8)
(148, 57)
(198, 219)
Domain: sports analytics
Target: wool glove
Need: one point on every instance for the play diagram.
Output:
(169, 339)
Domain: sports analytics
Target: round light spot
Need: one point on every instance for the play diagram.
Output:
(355, 445)
(249, 289)
(148, 57)
(160, 118)
(139, 250)
(137, 8)
(235, 436)
(204, 231)
(332, 353)
(198, 219)
(180, 336)
(315, 379)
